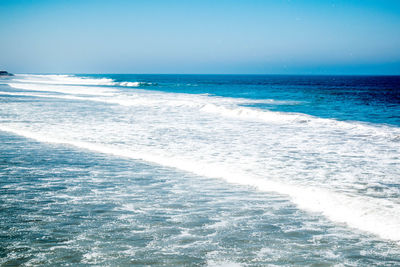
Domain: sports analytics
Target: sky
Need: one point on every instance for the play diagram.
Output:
(207, 36)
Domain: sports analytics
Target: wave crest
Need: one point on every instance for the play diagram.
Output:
(73, 80)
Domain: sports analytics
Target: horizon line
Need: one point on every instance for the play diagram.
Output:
(239, 74)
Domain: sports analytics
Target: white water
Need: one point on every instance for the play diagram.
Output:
(343, 170)
(70, 80)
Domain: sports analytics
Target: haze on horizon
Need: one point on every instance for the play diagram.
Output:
(238, 36)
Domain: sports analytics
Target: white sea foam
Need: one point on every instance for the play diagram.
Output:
(219, 263)
(253, 114)
(129, 84)
(80, 90)
(71, 80)
(323, 165)
(140, 97)
(227, 107)
(378, 216)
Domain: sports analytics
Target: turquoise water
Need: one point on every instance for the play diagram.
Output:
(169, 170)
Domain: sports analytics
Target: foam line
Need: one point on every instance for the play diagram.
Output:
(225, 107)
(72, 80)
(377, 216)
(79, 90)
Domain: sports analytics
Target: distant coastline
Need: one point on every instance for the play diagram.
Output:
(5, 73)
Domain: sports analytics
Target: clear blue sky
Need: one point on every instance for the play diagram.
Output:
(204, 36)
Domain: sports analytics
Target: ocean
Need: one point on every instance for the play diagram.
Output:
(199, 170)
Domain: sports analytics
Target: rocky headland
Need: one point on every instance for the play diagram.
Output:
(5, 73)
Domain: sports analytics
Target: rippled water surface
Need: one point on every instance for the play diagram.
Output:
(173, 170)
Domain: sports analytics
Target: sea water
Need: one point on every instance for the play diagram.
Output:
(200, 170)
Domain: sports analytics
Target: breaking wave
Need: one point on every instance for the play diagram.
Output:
(319, 163)
(73, 80)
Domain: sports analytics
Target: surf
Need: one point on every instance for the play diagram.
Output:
(325, 166)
